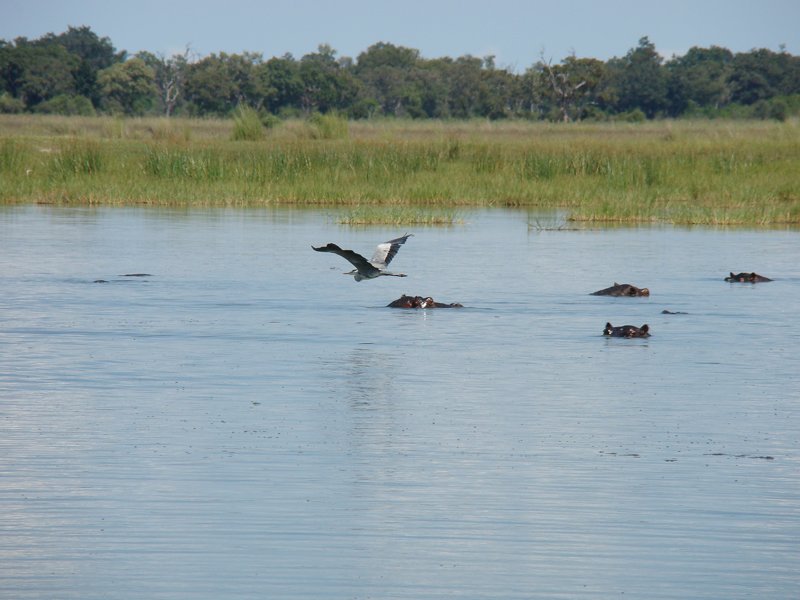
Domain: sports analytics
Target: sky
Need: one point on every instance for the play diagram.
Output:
(517, 33)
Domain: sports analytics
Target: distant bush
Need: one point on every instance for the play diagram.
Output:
(593, 113)
(364, 108)
(166, 131)
(269, 121)
(286, 113)
(66, 105)
(632, 116)
(328, 127)
(779, 108)
(247, 125)
(9, 104)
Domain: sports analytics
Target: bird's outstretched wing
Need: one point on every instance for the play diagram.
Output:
(354, 258)
(386, 251)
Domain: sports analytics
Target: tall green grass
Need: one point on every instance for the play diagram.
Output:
(77, 157)
(328, 127)
(693, 172)
(247, 124)
(399, 215)
(11, 156)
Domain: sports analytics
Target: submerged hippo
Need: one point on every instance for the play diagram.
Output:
(627, 331)
(141, 275)
(622, 289)
(747, 278)
(420, 302)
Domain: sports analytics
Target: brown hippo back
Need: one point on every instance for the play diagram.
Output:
(747, 278)
(622, 289)
(627, 331)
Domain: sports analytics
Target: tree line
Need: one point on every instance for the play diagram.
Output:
(78, 72)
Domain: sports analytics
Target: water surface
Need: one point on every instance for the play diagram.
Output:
(248, 422)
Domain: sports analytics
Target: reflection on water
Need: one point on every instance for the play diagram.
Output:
(371, 373)
(246, 422)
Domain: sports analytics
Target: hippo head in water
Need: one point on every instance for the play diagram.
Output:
(419, 302)
(627, 331)
(747, 278)
(407, 302)
(622, 289)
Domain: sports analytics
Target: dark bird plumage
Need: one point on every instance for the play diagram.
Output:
(376, 266)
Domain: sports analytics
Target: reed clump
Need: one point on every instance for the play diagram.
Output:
(399, 215)
(328, 127)
(679, 172)
(11, 156)
(247, 125)
(76, 157)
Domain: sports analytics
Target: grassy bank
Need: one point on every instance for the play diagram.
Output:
(681, 172)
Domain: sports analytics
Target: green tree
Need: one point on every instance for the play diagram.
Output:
(762, 74)
(279, 79)
(217, 84)
(35, 72)
(61, 73)
(699, 78)
(94, 54)
(499, 89)
(470, 87)
(169, 77)
(326, 86)
(67, 105)
(64, 65)
(533, 93)
(465, 89)
(382, 55)
(640, 80)
(391, 78)
(127, 87)
(573, 85)
(9, 104)
(209, 87)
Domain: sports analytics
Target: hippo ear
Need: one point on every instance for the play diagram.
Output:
(615, 283)
(732, 275)
(645, 328)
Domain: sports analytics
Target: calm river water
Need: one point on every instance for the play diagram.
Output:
(247, 422)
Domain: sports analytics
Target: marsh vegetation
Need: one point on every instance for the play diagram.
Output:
(711, 172)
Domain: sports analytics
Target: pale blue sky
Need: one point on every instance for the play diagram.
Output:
(515, 31)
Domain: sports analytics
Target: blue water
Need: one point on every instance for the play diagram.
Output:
(248, 422)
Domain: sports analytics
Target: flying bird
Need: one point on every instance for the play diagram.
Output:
(375, 267)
